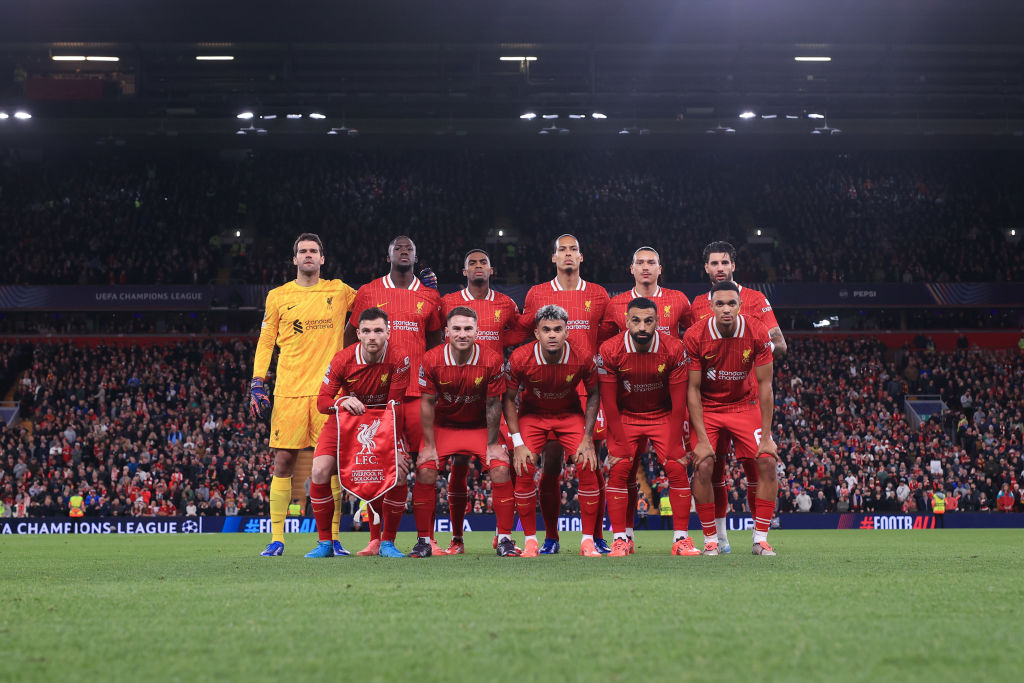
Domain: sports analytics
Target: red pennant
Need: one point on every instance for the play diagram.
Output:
(368, 451)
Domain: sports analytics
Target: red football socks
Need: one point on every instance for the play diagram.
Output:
(423, 499)
(618, 495)
(765, 512)
(589, 497)
(322, 498)
(706, 514)
(394, 508)
(679, 494)
(550, 502)
(526, 501)
(503, 497)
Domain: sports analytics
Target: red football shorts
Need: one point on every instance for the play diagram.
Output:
(327, 444)
(657, 433)
(461, 441)
(413, 424)
(742, 427)
(565, 428)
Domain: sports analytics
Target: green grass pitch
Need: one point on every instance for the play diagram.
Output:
(834, 605)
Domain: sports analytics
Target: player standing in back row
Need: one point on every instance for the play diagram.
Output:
(725, 355)
(496, 313)
(585, 303)
(720, 265)
(414, 310)
(305, 319)
(673, 311)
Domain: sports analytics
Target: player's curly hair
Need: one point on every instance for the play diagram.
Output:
(551, 312)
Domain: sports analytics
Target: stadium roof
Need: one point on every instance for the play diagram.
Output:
(896, 68)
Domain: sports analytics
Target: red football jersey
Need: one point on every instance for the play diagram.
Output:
(755, 305)
(548, 388)
(725, 363)
(462, 390)
(411, 313)
(372, 383)
(496, 313)
(673, 312)
(642, 378)
(585, 305)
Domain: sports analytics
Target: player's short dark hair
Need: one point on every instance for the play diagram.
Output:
(551, 312)
(307, 237)
(475, 251)
(554, 248)
(651, 249)
(720, 248)
(461, 310)
(725, 285)
(373, 313)
(391, 244)
(641, 303)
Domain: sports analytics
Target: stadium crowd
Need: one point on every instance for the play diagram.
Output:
(117, 218)
(164, 430)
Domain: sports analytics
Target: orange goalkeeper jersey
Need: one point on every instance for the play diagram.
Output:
(308, 325)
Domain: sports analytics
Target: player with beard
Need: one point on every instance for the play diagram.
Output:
(730, 397)
(496, 314)
(643, 390)
(673, 319)
(414, 310)
(462, 384)
(585, 302)
(720, 265)
(304, 319)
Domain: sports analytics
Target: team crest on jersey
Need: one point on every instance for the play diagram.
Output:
(477, 381)
(384, 378)
(419, 306)
(497, 316)
(586, 305)
(661, 368)
(746, 355)
(668, 311)
(568, 378)
(330, 300)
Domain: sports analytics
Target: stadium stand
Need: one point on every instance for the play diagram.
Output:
(118, 218)
(162, 429)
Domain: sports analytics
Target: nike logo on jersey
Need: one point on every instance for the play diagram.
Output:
(443, 383)
(710, 356)
(704, 316)
(382, 304)
(351, 380)
(291, 307)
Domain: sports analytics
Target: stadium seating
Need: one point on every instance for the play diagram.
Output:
(158, 429)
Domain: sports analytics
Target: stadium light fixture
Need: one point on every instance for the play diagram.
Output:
(293, 116)
(792, 116)
(1013, 232)
(759, 232)
(215, 58)
(768, 116)
(317, 115)
(517, 59)
(245, 115)
(268, 117)
(598, 115)
(528, 116)
(550, 116)
(4, 116)
(501, 233)
(102, 59)
(68, 58)
(577, 117)
(22, 115)
(747, 115)
(812, 59)
(815, 116)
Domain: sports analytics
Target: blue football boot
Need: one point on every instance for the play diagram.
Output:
(322, 549)
(339, 551)
(602, 546)
(388, 549)
(551, 547)
(275, 549)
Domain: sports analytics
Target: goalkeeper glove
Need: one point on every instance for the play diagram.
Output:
(259, 402)
(429, 278)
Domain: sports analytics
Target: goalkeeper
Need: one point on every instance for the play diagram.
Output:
(305, 319)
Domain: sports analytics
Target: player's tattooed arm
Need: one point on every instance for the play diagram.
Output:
(521, 455)
(493, 419)
(778, 341)
(586, 454)
(428, 451)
